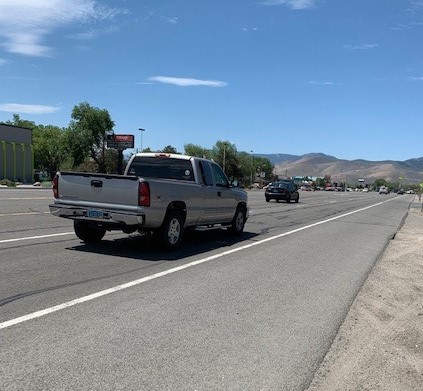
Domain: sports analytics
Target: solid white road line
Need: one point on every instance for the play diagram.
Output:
(117, 288)
(36, 237)
(23, 213)
(26, 198)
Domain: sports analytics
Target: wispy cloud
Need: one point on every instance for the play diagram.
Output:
(401, 26)
(28, 109)
(415, 5)
(409, 26)
(187, 82)
(24, 24)
(171, 20)
(94, 33)
(321, 83)
(293, 4)
(246, 28)
(2, 61)
(416, 78)
(364, 46)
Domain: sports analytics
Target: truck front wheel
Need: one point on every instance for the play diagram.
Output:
(87, 233)
(172, 230)
(238, 222)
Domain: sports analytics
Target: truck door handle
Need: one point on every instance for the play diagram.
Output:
(96, 183)
(219, 194)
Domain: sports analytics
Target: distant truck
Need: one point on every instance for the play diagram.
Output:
(158, 193)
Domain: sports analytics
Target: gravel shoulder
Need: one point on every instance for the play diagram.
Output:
(380, 344)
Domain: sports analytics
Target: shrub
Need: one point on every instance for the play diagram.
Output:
(7, 182)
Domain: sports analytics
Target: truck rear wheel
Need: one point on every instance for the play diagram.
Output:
(87, 233)
(172, 230)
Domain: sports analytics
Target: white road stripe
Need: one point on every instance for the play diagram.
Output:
(36, 237)
(23, 213)
(117, 288)
(26, 198)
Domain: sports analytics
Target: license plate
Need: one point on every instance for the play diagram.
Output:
(95, 214)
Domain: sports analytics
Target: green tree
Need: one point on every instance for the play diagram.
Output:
(226, 155)
(246, 165)
(321, 182)
(17, 121)
(49, 147)
(86, 137)
(380, 182)
(111, 157)
(262, 166)
(169, 149)
(197, 150)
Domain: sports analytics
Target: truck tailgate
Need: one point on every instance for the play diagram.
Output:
(106, 189)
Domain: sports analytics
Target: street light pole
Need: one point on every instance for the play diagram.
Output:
(141, 130)
(252, 167)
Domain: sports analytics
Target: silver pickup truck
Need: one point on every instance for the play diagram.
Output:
(158, 193)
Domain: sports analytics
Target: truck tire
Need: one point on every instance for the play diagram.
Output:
(86, 233)
(238, 222)
(172, 230)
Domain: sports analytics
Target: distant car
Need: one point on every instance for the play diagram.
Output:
(383, 190)
(409, 192)
(282, 190)
(400, 191)
(267, 186)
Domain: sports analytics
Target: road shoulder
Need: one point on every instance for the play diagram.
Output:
(380, 344)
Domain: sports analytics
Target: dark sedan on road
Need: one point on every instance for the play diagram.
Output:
(282, 190)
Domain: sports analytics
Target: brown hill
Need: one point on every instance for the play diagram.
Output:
(319, 165)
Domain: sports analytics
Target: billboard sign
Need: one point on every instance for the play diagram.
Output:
(120, 141)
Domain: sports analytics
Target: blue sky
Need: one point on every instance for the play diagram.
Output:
(340, 77)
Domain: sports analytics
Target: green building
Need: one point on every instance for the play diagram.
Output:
(16, 154)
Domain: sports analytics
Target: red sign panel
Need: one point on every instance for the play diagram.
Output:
(120, 141)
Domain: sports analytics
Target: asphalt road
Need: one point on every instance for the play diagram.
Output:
(254, 313)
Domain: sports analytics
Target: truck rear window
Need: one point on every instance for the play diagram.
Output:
(162, 167)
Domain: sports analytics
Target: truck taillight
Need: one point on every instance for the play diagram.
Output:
(143, 194)
(56, 186)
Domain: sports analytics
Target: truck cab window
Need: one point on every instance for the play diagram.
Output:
(162, 167)
(219, 176)
(206, 173)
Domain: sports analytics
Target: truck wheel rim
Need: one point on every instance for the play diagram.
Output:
(239, 221)
(174, 231)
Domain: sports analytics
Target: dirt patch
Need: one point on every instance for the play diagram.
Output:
(380, 344)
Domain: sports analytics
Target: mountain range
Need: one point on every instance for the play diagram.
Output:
(318, 165)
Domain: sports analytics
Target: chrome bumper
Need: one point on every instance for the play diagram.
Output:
(108, 216)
